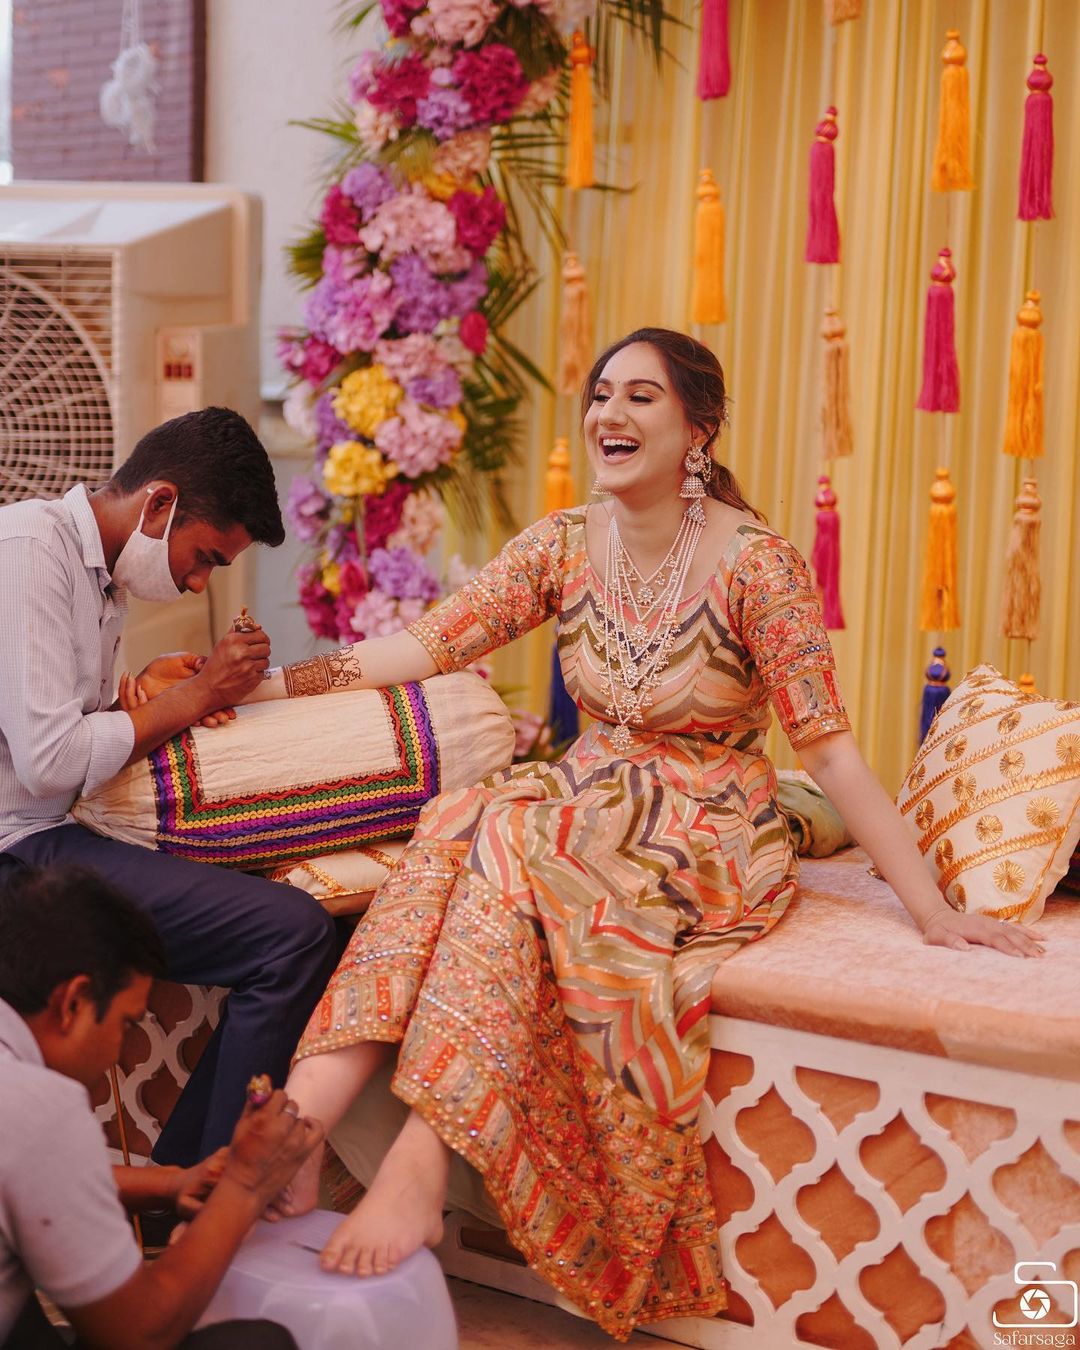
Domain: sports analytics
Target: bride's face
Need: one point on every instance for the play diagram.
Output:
(636, 432)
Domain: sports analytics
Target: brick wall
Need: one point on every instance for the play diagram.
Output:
(62, 53)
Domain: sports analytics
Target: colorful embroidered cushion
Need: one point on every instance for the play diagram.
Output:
(294, 779)
(993, 796)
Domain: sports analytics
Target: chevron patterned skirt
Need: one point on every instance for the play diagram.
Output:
(543, 952)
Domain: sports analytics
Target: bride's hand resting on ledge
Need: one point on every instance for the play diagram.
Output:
(949, 928)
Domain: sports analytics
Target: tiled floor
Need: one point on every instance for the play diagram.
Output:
(491, 1320)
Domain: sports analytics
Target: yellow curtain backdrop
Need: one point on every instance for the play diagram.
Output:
(884, 77)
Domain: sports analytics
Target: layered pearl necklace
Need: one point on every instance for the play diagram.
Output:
(634, 660)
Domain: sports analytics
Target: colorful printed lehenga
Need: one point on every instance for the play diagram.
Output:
(544, 948)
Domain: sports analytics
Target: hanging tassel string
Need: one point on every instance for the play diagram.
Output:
(714, 59)
(825, 554)
(1022, 596)
(839, 11)
(935, 691)
(707, 300)
(941, 371)
(579, 163)
(1037, 152)
(940, 609)
(1024, 411)
(836, 400)
(952, 155)
(823, 229)
(575, 328)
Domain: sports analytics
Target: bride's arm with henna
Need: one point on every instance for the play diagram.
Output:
(372, 664)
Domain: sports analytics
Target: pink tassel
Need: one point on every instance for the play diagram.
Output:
(941, 372)
(714, 65)
(825, 555)
(823, 229)
(1037, 154)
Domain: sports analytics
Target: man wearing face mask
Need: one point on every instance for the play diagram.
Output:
(194, 494)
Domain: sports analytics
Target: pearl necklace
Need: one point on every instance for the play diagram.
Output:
(633, 660)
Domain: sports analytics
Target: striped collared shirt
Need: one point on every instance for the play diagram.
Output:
(60, 626)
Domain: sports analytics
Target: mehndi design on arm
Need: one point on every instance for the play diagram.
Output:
(321, 674)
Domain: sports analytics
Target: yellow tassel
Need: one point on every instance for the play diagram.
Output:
(558, 481)
(838, 11)
(579, 163)
(575, 330)
(1022, 596)
(836, 401)
(707, 302)
(1024, 413)
(940, 609)
(1026, 684)
(952, 157)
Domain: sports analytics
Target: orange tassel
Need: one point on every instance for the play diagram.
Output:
(707, 300)
(940, 609)
(839, 11)
(575, 330)
(952, 157)
(1024, 412)
(579, 163)
(558, 481)
(835, 407)
(1022, 596)
(1026, 684)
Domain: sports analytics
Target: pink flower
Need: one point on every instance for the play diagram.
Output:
(418, 441)
(413, 222)
(409, 358)
(461, 21)
(492, 80)
(319, 360)
(397, 86)
(474, 331)
(383, 514)
(318, 603)
(340, 219)
(354, 582)
(479, 218)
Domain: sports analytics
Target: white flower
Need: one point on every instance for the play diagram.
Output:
(299, 414)
(375, 127)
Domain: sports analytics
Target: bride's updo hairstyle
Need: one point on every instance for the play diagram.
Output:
(698, 383)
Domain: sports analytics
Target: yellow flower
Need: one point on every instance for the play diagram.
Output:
(331, 577)
(440, 185)
(367, 398)
(355, 470)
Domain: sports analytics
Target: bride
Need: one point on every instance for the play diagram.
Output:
(540, 959)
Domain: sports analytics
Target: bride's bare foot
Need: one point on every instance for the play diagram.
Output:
(402, 1211)
(301, 1195)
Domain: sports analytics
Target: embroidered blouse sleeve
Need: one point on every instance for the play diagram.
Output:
(775, 609)
(513, 594)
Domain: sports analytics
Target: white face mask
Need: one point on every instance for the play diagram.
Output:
(143, 565)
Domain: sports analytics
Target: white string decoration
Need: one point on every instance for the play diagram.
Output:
(127, 100)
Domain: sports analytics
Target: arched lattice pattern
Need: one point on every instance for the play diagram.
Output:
(56, 422)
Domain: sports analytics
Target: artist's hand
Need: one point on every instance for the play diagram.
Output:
(196, 1183)
(235, 667)
(948, 928)
(269, 1144)
(163, 673)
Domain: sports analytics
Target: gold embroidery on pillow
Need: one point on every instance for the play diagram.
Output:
(1042, 812)
(957, 864)
(1010, 721)
(943, 854)
(1011, 763)
(1008, 876)
(1068, 748)
(959, 897)
(972, 709)
(955, 747)
(993, 797)
(924, 815)
(988, 828)
(964, 788)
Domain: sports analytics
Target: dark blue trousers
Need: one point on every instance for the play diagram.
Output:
(272, 946)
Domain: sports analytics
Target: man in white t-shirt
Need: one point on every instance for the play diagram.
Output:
(76, 963)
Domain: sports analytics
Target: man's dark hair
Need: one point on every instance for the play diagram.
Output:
(59, 922)
(221, 470)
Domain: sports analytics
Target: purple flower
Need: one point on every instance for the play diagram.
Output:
(341, 542)
(467, 292)
(444, 112)
(307, 508)
(402, 573)
(368, 187)
(354, 316)
(331, 428)
(441, 389)
(422, 300)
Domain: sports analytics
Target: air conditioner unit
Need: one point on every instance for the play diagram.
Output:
(122, 305)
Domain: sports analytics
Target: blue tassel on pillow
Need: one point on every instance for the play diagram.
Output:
(935, 691)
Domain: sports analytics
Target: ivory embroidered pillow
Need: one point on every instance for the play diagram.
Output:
(294, 779)
(343, 883)
(993, 796)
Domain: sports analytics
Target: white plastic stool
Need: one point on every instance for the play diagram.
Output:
(276, 1275)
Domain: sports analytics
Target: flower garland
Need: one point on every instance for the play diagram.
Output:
(402, 379)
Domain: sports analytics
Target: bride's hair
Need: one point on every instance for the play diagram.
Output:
(698, 383)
